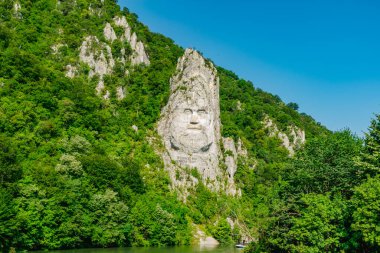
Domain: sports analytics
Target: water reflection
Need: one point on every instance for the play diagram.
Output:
(184, 249)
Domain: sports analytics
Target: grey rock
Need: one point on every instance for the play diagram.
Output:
(190, 123)
(238, 105)
(139, 55)
(97, 55)
(241, 149)
(56, 47)
(16, 8)
(231, 162)
(291, 141)
(134, 127)
(71, 71)
(109, 33)
(99, 87)
(120, 93)
(203, 240)
(107, 95)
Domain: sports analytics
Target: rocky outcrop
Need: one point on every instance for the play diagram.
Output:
(56, 47)
(139, 55)
(190, 127)
(95, 8)
(291, 141)
(100, 87)
(17, 7)
(203, 240)
(71, 71)
(135, 128)
(190, 124)
(231, 156)
(98, 55)
(240, 149)
(17, 10)
(109, 33)
(120, 93)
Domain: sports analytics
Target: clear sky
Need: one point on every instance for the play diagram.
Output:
(323, 55)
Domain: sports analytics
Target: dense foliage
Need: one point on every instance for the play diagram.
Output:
(327, 200)
(74, 173)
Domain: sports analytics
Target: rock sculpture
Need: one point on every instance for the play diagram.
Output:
(190, 124)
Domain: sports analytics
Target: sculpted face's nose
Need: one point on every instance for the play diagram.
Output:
(194, 119)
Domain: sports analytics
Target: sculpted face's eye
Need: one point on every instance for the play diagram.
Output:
(188, 111)
(202, 111)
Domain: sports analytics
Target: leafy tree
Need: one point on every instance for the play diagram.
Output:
(10, 170)
(156, 222)
(366, 214)
(222, 232)
(325, 164)
(370, 157)
(293, 106)
(109, 217)
(319, 227)
(7, 220)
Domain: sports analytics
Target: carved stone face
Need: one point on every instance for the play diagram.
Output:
(191, 126)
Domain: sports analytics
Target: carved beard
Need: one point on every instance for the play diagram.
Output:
(190, 141)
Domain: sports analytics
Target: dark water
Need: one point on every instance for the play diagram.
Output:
(184, 249)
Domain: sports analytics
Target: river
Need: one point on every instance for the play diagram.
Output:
(182, 249)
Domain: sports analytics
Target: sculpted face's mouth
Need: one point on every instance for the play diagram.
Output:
(194, 127)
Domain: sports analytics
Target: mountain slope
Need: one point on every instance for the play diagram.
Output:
(81, 163)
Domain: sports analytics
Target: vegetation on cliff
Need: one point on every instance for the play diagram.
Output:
(74, 172)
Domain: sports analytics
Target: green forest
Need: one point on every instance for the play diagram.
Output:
(74, 173)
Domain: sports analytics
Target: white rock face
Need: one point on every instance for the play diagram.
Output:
(98, 11)
(97, 55)
(56, 47)
(107, 95)
(205, 241)
(17, 7)
(292, 141)
(190, 123)
(240, 149)
(231, 163)
(134, 127)
(120, 93)
(71, 71)
(139, 55)
(238, 105)
(100, 87)
(122, 22)
(109, 33)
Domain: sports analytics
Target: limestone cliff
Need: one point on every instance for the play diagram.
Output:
(139, 55)
(190, 126)
(98, 55)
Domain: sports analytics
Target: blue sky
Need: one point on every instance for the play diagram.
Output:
(323, 55)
